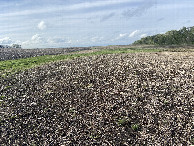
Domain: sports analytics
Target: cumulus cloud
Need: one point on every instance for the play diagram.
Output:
(126, 36)
(134, 33)
(6, 41)
(163, 32)
(39, 41)
(121, 36)
(143, 35)
(36, 37)
(41, 25)
(35, 42)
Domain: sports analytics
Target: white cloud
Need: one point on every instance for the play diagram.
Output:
(39, 41)
(97, 39)
(134, 33)
(121, 36)
(100, 3)
(9, 41)
(166, 6)
(41, 25)
(82, 5)
(162, 32)
(143, 35)
(6, 41)
(69, 42)
(35, 41)
(36, 37)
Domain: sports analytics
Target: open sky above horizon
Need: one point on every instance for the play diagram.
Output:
(70, 23)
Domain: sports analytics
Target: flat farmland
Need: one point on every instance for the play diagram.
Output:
(14, 53)
(112, 99)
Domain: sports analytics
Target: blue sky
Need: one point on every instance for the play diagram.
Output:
(69, 23)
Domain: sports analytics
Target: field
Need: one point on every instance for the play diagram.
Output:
(11, 54)
(18, 64)
(107, 97)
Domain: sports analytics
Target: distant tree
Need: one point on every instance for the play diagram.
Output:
(16, 46)
(173, 37)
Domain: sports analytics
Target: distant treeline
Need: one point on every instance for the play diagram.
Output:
(12, 46)
(184, 36)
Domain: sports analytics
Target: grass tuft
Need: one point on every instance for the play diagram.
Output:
(135, 127)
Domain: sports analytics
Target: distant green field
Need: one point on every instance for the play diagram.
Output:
(11, 66)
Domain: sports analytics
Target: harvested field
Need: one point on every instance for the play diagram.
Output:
(117, 99)
(11, 54)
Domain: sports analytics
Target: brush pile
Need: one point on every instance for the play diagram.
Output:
(121, 99)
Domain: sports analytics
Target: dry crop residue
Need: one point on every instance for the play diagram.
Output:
(12, 54)
(121, 99)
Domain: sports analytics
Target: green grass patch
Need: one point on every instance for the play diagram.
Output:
(2, 97)
(122, 121)
(12, 66)
(135, 127)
